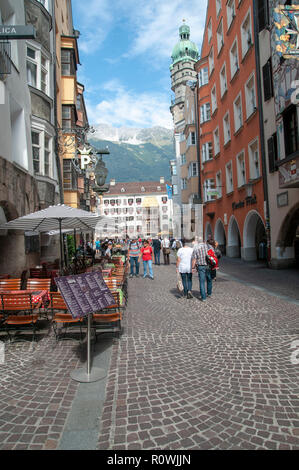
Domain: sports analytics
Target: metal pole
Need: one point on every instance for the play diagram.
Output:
(88, 345)
(61, 250)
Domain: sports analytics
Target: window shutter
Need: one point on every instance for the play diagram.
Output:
(267, 79)
(272, 153)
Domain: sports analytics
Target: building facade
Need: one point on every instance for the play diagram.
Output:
(229, 128)
(141, 209)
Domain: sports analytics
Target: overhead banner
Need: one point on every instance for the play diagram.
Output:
(85, 293)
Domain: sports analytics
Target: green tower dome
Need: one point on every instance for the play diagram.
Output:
(184, 49)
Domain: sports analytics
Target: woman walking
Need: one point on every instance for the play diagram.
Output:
(184, 267)
(147, 258)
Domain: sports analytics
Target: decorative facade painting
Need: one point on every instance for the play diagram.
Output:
(286, 21)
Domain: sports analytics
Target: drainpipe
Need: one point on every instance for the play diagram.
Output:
(56, 145)
(262, 134)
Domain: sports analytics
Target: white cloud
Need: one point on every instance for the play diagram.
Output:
(152, 26)
(123, 107)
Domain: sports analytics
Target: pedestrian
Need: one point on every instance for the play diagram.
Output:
(146, 253)
(133, 254)
(218, 255)
(108, 252)
(98, 245)
(157, 250)
(176, 245)
(199, 260)
(166, 249)
(184, 267)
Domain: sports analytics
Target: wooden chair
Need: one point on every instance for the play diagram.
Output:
(62, 317)
(15, 321)
(38, 273)
(109, 319)
(10, 284)
(113, 284)
(38, 284)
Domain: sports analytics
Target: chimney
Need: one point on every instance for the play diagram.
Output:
(162, 180)
(112, 182)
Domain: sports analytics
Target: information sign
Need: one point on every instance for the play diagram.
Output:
(85, 293)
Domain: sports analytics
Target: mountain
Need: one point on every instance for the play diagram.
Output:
(135, 154)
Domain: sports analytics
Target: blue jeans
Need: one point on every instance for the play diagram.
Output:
(157, 256)
(187, 282)
(134, 262)
(204, 274)
(148, 265)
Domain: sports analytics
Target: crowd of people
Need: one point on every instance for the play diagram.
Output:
(191, 256)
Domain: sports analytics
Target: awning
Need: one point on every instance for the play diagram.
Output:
(150, 202)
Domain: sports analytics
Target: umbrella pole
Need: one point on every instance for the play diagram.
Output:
(61, 248)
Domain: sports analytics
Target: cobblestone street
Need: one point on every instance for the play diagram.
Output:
(184, 374)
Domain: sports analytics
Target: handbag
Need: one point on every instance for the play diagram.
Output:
(179, 282)
(166, 251)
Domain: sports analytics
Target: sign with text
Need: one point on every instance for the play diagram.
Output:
(17, 32)
(85, 293)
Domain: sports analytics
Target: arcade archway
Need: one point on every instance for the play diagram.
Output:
(233, 249)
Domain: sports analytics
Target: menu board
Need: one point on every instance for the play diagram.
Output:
(85, 293)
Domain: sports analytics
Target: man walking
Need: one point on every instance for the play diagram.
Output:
(166, 249)
(134, 253)
(199, 260)
(157, 250)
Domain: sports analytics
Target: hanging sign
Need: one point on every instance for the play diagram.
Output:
(17, 32)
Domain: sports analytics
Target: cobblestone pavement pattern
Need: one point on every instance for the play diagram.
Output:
(194, 375)
(184, 375)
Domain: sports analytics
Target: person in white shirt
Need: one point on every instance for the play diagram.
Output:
(184, 267)
(166, 250)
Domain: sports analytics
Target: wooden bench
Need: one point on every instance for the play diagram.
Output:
(10, 284)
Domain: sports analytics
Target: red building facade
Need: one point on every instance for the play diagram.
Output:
(229, 132)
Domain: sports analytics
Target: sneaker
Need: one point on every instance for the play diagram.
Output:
(189, 295)
(152, 278)
(143, 277)
(131, 276)
(203, 300)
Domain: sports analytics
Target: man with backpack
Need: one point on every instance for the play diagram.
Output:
(134, 253)
(202, 259)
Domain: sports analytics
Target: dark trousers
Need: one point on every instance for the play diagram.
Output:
(157, 256)
(166, 257)
(134, 262)
(187, 282)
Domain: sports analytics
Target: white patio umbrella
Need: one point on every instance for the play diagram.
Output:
(56, 217)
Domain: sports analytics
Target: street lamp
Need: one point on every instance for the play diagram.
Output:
(249, 189)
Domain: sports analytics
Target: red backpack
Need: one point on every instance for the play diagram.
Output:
(212, 259)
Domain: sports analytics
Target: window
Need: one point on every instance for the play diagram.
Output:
(68, 66)
(206, 151)
(69, 175)
(254, 164)
(290, 125)
(209, 190)
(214, 99)
(192, 170)
(231, 12)
(272, 153)
(183, 159)
(205, 112)
(226, 128)
(218, 7)
(246, 34)
(41, 152)
(183, 183)
(219, 184)
(223, 81)
(229, 177)
(203, 76)
(220, 36)
(36, 151)
(250, 96)
(211, 60)
(210, 30)
(263, 14)
(173, 170)
(234, 61)
(216, 141)
(175, 189)
(191, 139)
(68, 117)
(37, 65)
(267, 80)
(241, 170)
(238, 115)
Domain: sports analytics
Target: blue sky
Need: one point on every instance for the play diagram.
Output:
(125, 48)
